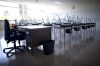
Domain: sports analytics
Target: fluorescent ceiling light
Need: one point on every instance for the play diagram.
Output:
(57, 2)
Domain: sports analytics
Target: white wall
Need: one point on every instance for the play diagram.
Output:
(1, 25)
(84, 9)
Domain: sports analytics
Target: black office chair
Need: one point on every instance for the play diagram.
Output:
(11, 35)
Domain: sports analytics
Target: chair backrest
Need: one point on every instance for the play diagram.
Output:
(6, 29)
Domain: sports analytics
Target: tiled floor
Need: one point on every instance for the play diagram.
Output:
(83, 53)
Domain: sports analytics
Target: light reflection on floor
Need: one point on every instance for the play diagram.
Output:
(86, 52)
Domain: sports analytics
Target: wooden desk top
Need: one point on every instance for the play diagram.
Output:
(33, 27)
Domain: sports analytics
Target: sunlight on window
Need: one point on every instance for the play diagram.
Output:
(40, 11)
(45, 8)
(9, 10)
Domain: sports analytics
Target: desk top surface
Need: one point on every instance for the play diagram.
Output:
(33, 27)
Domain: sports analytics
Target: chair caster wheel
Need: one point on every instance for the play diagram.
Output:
(21, 50)
(4, 50)
(7, 55)
(23, 46)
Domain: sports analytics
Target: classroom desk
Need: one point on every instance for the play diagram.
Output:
(36, 35)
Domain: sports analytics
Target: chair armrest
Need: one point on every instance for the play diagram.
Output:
(16, 32)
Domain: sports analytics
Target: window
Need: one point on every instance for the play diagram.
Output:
(9, 10)
(40, 11)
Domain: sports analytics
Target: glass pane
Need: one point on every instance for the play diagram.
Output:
(39, 11)
(10, 11)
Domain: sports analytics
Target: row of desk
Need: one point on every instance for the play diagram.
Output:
(69, 28)
(37, 34)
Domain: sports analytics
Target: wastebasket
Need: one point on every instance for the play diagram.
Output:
(48, 47)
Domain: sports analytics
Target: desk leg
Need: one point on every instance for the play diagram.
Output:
(27, 47)
(32, 50)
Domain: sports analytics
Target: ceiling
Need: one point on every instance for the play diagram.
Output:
(53, 0)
